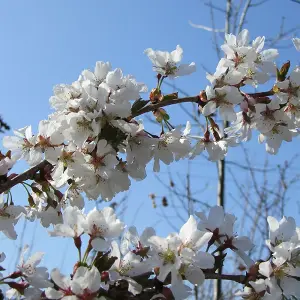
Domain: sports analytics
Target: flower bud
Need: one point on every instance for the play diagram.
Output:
(281, 74)
(155, 95)
(104, 276)
(31, 201)
(203, 96)
(20, 287)
(77, 242)
(161, 115)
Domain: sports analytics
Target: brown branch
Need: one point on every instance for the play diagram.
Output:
(261, 94)
(191, 99)
(163, 103)
(24, 176)
(151, 286)
(236, 278)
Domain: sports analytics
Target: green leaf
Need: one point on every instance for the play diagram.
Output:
(138, 104)
(281, 75)
(166, 117)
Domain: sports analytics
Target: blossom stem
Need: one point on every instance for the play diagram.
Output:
(26, 188)
(79, 254)
(87, 251)
(167, 102)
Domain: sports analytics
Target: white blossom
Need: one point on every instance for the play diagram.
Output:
(166, 63)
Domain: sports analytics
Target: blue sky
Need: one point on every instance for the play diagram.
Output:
(50, 42)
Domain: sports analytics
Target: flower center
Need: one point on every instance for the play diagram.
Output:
(168, 257)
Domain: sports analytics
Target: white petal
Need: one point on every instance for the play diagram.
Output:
(204, 260)
(243, 243)
(176, 55)
(194, 275)
(185, 69)
(265, 268)
(53, 294)
(100, 244)
(209, 108)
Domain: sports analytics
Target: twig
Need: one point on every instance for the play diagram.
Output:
(168, 102)
(206, 28)
(243, 16)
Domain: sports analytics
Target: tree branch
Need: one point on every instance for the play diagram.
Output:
(24, 176)
(199, 26)
(151, 286)
(163, 103)
(148, 108)
(3, 125)
(236, 278)
(193, 99)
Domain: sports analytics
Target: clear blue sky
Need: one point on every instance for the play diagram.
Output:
(44, 43)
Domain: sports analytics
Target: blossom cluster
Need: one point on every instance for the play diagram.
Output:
(278, 277)
(275, 113)
(181, 259)
(93, 144)
(96, 146)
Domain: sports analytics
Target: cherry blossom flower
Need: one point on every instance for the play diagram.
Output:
(36, 276)
(265, 58)
(242, 127)
(165, 63)
(74, 196)
(281, 231)
(216, 149)
(139, 244)
(264, 289)
(289, 89)
(267, 116)
(101, 225)
(84, 284)
(170, 144)
(179, 255)
(128, 266)
(99, 74)
(22, 145)
(73, 226)
(103, 161)
(239, 54)
(224, 76)
(9, 217)
(221, 226)
(224, 98)
(275, 137)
